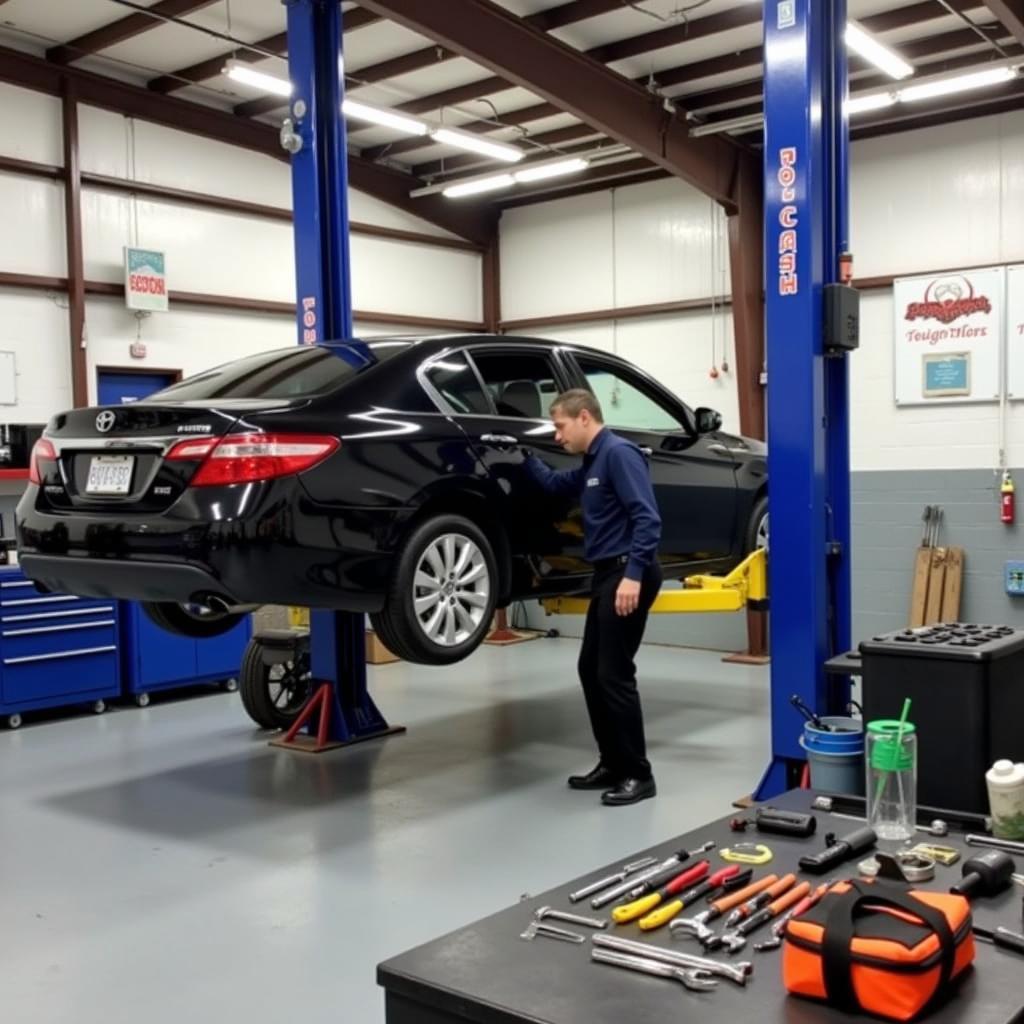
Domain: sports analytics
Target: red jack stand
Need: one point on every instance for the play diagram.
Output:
(502, 636)
(347, 713)
(757, 642)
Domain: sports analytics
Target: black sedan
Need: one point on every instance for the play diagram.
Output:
(382, 477)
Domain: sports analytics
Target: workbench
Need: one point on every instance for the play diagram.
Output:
(485, 974)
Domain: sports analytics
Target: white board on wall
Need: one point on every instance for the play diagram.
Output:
(1015, 332)
(948, 337)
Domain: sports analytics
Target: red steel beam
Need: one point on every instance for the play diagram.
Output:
(122, 29)
(73, 236)
(559, 74)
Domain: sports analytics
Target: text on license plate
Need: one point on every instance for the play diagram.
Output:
(110, 474)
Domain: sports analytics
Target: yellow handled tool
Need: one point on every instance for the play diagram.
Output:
(667, 911)
(631, 911)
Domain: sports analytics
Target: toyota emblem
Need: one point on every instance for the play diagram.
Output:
(105, 421)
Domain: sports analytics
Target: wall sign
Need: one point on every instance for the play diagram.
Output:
(1015, 332)
(948, 333)
(145, 280)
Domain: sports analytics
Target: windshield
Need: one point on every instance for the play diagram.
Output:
(298, 372)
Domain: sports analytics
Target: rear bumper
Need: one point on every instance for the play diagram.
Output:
(276, 549)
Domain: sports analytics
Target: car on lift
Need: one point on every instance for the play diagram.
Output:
(383, 477)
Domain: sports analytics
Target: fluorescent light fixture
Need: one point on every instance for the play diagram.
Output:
(239, 72)
(554, 170)
(876, 101)
(960, 83)
(388, 118)
(733, 124)
(872, 50)
(472, 188)
(475, 144)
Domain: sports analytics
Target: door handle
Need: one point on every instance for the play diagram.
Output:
(646, 452)
(500, 440)
(718, 449)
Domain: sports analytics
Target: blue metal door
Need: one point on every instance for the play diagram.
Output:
(114, 388)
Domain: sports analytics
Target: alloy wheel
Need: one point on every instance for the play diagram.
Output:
(762, 536)
(451, 589)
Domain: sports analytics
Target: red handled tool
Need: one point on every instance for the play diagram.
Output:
(667, 911)
(631, 911)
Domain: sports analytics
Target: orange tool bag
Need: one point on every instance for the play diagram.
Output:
(879, 947)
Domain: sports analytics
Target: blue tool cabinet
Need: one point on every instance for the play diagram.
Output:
(55, 649)
(153, 659)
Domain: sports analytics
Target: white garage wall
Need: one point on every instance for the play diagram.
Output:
(207, 251)
(939, 198)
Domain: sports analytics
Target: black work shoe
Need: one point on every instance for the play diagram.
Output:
(629, 791)
(597, 778)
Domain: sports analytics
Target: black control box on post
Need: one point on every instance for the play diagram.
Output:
(967, 685)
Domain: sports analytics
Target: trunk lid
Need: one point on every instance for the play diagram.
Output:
(113, 458)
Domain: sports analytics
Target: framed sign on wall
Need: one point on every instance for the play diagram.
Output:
(948, 337)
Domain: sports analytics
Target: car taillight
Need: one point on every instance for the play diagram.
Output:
(42, 451)
(245, 458)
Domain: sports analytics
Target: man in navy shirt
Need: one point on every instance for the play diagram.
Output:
(621, 530)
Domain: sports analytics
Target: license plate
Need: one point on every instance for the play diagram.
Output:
(110, 474)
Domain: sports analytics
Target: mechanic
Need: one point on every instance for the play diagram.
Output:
(621, 528)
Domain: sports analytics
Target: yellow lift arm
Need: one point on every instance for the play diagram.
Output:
(746, 584)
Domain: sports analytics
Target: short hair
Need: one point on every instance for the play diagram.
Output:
(574, 401)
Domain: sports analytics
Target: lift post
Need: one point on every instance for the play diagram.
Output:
(806, 151)
(315, 133)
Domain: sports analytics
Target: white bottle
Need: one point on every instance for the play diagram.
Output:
(1006, 798)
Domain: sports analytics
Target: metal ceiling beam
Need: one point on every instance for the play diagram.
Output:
(354, 19)
(428, 56)
(546, 21)
(749, 59)
(623, 110)
(211, 68)
(468, 220)
(1011, 14)
(668, 78)
(122, 29)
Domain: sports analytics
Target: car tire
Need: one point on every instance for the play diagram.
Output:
(178, 619)
(757, 527)
(263, 686)
(431, 615)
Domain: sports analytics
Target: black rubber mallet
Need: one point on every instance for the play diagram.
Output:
(985, 875)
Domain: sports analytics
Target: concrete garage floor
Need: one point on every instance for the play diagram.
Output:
(166, 865)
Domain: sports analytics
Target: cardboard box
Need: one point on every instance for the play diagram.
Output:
(376, 652)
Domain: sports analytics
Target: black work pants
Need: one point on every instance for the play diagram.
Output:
(608, 673)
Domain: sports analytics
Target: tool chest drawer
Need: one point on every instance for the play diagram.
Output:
(54, 648)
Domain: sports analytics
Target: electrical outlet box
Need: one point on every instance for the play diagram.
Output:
(1014, 575)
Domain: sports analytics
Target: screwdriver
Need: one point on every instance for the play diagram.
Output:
(698, 925)
(752, 906)
(649, 880)
(631, 911)
(667, 911)
(1002, 937)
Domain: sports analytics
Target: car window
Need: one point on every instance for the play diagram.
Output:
(298, 372)
(626, 403)
(521, 384)
(456, 382)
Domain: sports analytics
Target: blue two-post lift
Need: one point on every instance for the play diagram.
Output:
(806, 242)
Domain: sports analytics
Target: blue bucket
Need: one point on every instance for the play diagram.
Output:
(836, 758)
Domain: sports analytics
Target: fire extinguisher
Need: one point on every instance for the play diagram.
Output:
(1008, 503)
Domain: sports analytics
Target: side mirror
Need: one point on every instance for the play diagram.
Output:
(708, 421)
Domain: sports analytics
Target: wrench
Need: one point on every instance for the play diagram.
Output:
(636, 886)
(779, 928)
(609, 880)
(587, 922)
(549, 931)
(737, 973)
(694, 978)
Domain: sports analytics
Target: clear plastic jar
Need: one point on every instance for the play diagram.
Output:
(890, 755)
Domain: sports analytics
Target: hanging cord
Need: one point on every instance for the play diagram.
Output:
(713, 374)
(723, 260)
